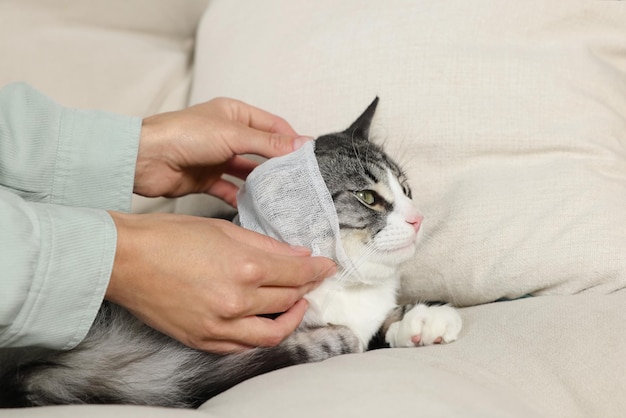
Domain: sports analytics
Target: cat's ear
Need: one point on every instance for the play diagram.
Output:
(361, 126)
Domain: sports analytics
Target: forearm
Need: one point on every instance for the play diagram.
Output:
(56, 262)
(56, 257)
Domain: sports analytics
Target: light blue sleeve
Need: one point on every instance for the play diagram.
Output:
(60, 170)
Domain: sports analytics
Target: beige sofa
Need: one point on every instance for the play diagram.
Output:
(510, 119)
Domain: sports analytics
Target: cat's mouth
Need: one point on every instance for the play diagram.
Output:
(406, 249)
(399, 243)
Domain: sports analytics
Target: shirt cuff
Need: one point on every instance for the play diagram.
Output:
(72, 271)
(96, 160)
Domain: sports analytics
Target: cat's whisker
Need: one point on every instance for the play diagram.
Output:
(364, 255)
(352, 269)
(401, 153)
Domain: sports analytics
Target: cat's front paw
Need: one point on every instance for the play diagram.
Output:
(425, 325)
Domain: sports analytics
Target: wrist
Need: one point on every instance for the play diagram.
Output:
(150, 158)
(125, 264)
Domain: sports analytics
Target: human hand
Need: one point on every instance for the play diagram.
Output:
(204, 281)
(188, 151)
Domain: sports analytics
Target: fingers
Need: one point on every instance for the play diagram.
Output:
(276, 330)
(295, 271)
(245, 333)
(263, 133)
(264, 332)
(225, 190)
(240, 167)
(262, 242)
(259, 266)
(271, 300)
(263, 143)
(262, 120)
(221, 188)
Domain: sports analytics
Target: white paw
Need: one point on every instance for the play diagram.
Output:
(425, 325)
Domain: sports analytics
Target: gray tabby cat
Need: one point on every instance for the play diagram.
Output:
(124, 361)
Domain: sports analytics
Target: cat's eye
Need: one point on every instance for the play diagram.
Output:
(368, 197)
(406, 191)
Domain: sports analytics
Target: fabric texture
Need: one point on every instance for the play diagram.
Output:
(130, 57)
(286, 198)
(59, 170)
(457, 79)
(510, 121)
(535, 357)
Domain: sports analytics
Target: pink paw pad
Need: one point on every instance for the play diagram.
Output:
(417, 339)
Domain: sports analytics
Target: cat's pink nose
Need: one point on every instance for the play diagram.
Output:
(415, 221)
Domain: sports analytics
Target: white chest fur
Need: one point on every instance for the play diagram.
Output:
(361, 307)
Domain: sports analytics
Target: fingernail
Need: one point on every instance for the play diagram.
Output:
(301, 140)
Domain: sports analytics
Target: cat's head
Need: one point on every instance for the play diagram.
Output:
(377, 220)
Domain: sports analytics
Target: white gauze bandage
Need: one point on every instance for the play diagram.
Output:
(286, 198)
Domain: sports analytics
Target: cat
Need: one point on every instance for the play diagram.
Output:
(124, 361)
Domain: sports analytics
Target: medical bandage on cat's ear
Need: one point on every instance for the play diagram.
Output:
(286, 198)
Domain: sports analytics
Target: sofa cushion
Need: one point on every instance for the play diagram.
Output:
(535, 357)
(129, 57)
(510, 120)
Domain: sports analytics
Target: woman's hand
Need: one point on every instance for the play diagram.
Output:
(188, 151)
(203, 281)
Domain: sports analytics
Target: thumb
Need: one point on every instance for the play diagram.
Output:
(268, 144)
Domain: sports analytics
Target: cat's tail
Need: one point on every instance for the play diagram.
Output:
(123, 361)
(12, 391)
